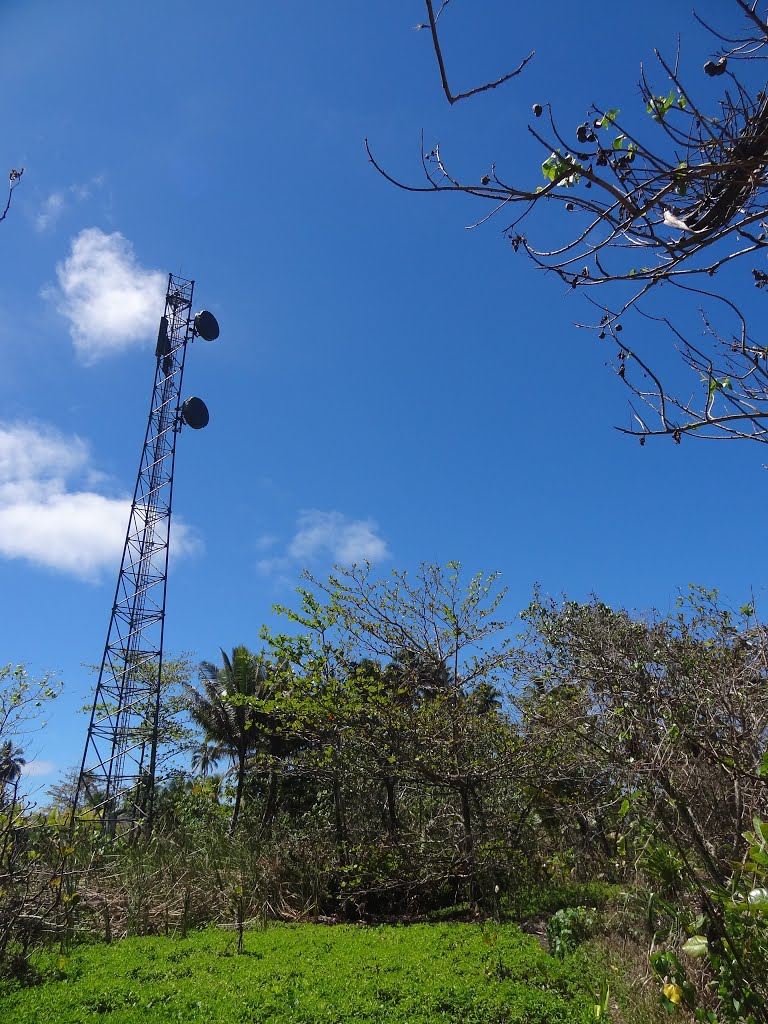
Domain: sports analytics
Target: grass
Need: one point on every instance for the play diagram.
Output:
(307, 974)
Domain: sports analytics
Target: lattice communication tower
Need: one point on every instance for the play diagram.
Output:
(117, 773)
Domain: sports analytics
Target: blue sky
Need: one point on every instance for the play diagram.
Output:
(387, 384)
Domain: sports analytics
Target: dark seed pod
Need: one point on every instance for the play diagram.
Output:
(537, 109)
(714, 69)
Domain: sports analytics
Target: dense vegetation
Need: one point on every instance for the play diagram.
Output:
(454, 973)
(401, 753)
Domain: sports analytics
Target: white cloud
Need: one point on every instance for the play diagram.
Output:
(347, 540)
(79, 534)
(329, 535)
(111, 302)
(38, 769)
(266, 541)
(46, 520)
(50, 211)
(58, 201)
(27, 452)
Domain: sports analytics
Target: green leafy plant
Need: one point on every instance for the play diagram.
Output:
(676, 989)
(459, 974)
(568, 928)
(600, 1005)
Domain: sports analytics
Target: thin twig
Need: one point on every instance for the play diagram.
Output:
(441, 63)
(14, 178)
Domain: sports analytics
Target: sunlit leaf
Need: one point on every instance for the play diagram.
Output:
(696, 946)
(758, 899)
(673, 993)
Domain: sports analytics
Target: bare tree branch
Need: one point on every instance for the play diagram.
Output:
(649, 213)
(441, 63)
(13, 180)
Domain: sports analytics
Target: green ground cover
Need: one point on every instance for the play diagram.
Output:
(306, 974)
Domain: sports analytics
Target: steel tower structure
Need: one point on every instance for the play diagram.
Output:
(117, 773)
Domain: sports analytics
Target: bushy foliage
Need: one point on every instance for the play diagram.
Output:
(402, 755)
(459, 973)
(568, 928)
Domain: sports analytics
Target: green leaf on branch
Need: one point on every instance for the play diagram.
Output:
(680, 177)
(563, 170)
(757, 857)
(608, 118)
(659, 106)
(718, 384)
(696, 946)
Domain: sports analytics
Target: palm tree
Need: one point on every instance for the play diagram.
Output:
(227, 711)
(205, 757)
(11, 763)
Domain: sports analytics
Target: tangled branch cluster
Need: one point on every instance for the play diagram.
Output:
(666, 214)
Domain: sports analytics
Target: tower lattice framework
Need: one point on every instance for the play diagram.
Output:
(117, 773)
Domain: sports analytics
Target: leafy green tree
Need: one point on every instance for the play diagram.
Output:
(61, 794)
(410, 672)
(11, 764)
(163, 740)
(230, 710)
(668, 717)
(29, 897)
(23, 700)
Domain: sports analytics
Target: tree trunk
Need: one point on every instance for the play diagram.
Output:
(467, 841)
(270, 807)
(238, 791)
(339, 820)
(392, 823)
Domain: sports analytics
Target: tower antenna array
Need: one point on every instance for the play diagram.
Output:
(117, 773)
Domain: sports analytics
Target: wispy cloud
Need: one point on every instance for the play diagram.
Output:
(54, 205)
(111, 302)
(50, 211)
(346, 540)
(39, 769)
(326, 535)
(50, 514)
